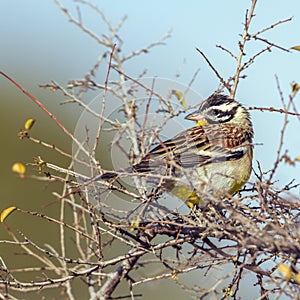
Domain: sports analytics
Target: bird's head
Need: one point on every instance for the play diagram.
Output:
(220, 109)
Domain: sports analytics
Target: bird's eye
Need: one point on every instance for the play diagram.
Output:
(215, 115)
(215, 112)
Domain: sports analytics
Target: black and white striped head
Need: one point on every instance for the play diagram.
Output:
(218, 109)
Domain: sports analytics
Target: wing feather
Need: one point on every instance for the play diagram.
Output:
(196, 147)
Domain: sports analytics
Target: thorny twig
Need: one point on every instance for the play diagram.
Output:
(232, 83)
(252, 231)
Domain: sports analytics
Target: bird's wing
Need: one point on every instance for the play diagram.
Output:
(195, 147)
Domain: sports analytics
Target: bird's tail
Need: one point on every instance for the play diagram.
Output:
(109, 175)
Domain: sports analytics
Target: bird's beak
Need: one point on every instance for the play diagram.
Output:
(197, 117)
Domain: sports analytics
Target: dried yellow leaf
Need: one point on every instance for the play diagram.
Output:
(19, 168)
(297, 278)
(297, 158)
(285, 271)
(29, 123)
(295, 87)
(296, 48)
(6, 212)
(179, 95)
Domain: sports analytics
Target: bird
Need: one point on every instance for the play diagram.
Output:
(211, 159)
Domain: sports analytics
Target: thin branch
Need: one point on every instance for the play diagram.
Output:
(100, 123)
(147, 89)
(270, 43)
(82, 27)
(242, 48)
(228, 87)
(147, 48)
(283, 129)
(272, 26)
(38, 103)
(272, 109)
(227, 51)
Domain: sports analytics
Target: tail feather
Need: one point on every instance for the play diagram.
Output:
(114, 174)
(109, 175)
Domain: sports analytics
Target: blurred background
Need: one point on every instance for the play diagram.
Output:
(39, 44)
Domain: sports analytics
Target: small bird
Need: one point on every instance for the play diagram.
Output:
(213, 158)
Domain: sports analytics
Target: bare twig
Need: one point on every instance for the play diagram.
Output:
(252, 231)
(272, 109)
(239, 69)
(100, 123)
(228, 87)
